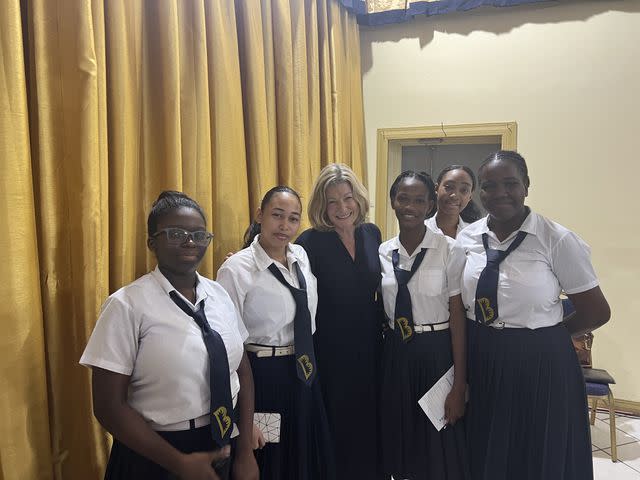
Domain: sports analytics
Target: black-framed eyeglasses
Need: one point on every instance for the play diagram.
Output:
(178, 236)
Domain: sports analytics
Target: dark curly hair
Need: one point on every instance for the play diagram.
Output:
(471, 212)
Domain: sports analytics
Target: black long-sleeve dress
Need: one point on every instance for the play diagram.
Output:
(348, 344)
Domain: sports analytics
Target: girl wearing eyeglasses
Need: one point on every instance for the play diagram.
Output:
(153, 364)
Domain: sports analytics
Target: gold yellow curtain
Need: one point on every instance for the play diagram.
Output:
(103, 104)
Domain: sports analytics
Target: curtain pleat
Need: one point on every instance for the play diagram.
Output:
(67, 101)
(355, 109)
(124, 57)
(258, 96)
(25, 448)
(103, 104)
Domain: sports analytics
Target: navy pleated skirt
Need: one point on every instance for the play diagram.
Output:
(527, 410)
(125, 464)
(412, 447)
(305, 451)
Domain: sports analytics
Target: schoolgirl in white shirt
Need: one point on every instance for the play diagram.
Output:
(151, 367)
(454, 208)
(527, 412)
(426, 337)
(279, 343)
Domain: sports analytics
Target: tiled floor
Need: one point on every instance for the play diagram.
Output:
(628, 441)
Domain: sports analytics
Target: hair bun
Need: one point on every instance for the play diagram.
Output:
(169, 194)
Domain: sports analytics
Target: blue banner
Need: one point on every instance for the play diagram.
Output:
(428, 8)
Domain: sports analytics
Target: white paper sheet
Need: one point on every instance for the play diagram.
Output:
(432, 402)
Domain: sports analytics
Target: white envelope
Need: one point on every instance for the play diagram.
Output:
(432, 402)
(269, 425)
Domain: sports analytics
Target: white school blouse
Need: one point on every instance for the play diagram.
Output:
(433, 226)
(141, 332)
(437, 278)
(266, 307)
(550, 259)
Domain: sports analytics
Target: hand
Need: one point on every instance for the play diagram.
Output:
(245, 467)
(257, 440)
(228, 255)
(198, 465)
(454, 404)
(385, 327)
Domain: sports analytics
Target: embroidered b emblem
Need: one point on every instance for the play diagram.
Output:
(404, 328)
(306, 365)
(223, 420)
(487, 312)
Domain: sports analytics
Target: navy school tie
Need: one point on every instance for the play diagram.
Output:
(219, 380)
(486, 306)
(403, 322)
(302, 338)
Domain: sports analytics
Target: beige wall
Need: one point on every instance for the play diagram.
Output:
(569, 75)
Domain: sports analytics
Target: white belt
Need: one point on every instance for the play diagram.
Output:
(430, 327)
(184, 425)
(268, 351)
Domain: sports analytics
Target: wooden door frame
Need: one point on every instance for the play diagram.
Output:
(472, 133)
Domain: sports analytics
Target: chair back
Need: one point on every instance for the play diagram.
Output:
(582, 345)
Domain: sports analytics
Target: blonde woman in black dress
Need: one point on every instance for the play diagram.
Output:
(343, 251)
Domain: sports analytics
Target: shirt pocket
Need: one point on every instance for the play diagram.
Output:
(530, 273)
(431, 281)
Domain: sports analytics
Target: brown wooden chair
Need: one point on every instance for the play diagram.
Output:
(597, 381)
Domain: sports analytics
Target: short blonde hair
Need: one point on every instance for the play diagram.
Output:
(333, 174)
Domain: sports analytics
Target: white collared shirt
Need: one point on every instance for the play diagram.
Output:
(141, 332)
(433, 225)
(550, 259)
(266, 306)
(437, 278)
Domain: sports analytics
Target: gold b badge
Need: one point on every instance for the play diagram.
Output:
(306, 365)
(404, 328)
(487, 312)
(223, 420)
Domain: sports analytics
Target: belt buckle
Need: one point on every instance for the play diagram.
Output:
(273, 351)
(283, 351)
